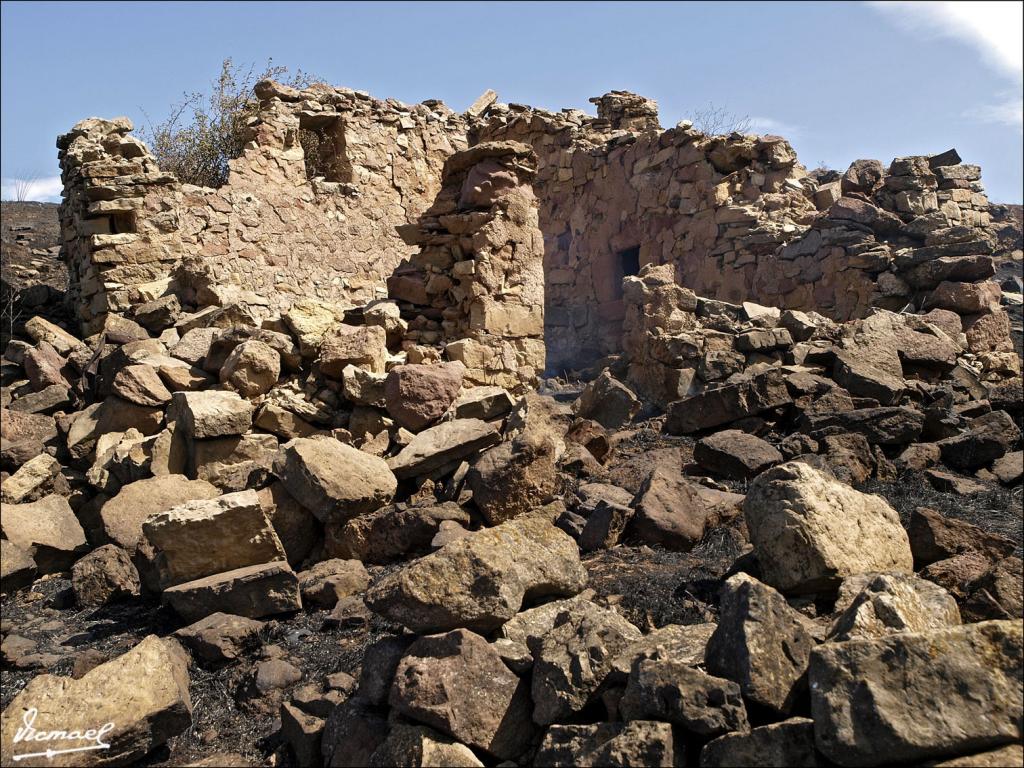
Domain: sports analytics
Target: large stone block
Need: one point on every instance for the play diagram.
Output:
(914, 696)
(134, 703)
(205, 537)
(810, 531)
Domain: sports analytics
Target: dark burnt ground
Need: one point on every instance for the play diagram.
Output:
(223, 720)
(652, 587)
(997, 510)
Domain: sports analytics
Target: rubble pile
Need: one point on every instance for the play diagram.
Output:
(334, 526)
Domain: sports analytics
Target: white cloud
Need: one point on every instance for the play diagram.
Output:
(994, 29)
(763, 125)
(45, 190)
(1008, 112)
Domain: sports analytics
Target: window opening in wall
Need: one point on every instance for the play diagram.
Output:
(323, 143)
(627, 263)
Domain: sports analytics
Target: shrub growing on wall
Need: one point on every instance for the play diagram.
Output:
(205, 130)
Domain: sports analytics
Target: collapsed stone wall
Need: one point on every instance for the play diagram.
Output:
(476, 287)
(275, 231)
(737, 216)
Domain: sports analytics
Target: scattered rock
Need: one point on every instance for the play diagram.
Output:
(104, 575)
(608, 402)
(735, 454)
(481, 581)
(391, 532)
(418, 395)
(675, 512)
(674, 691)
(47, 530)
(760, 643)
(788, 743)
(143, 693)
(418, 747)
(252, 368)
(458, 684)
(948, 691)
(181, 537)
(17, 568)
(616, 745)
(897, 602)
(220, 638)
(329, 580)
(212, 413)
(573, 659)
(439, 449)
(934, 537)
(333, 480)
(810, 532)
(254, 591)
(122, 516)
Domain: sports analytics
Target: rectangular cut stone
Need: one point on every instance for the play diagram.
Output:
(212, 413)
(208, 536)
(253, 592)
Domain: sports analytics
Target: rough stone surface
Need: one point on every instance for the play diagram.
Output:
(47, 529)
(17, 568)
(390, 533)
(235, 524)
(810, 532)
(418, 395)
(788, 744)
(141, 384)
(573, 659)
(122, 516)
(891, 603)
(608, 402)
(414, 746)
(913, 696)
(479, 582)
(674, 512)
(220, 637)
(104, 575)
(332, 480)
(665, 689)
(252, 368)
(616, 745)
(438, 448)
(934, 537)
(212, 413)
(760, 643)
(329, 580)
(144, 693)
(735, 454)
(458, 684)
(254, 591)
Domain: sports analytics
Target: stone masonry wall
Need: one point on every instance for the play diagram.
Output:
(737, 217)
(475, 287)
(271, 234)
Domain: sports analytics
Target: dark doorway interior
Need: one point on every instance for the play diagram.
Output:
(627, 263)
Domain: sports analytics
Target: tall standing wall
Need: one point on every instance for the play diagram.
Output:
(737, 217)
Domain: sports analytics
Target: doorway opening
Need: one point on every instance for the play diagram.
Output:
(627, 263)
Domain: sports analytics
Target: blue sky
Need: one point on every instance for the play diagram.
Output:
(840, 80)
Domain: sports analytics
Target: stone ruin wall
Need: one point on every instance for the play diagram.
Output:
(271, 234)
(475, 288)
(737, 216)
